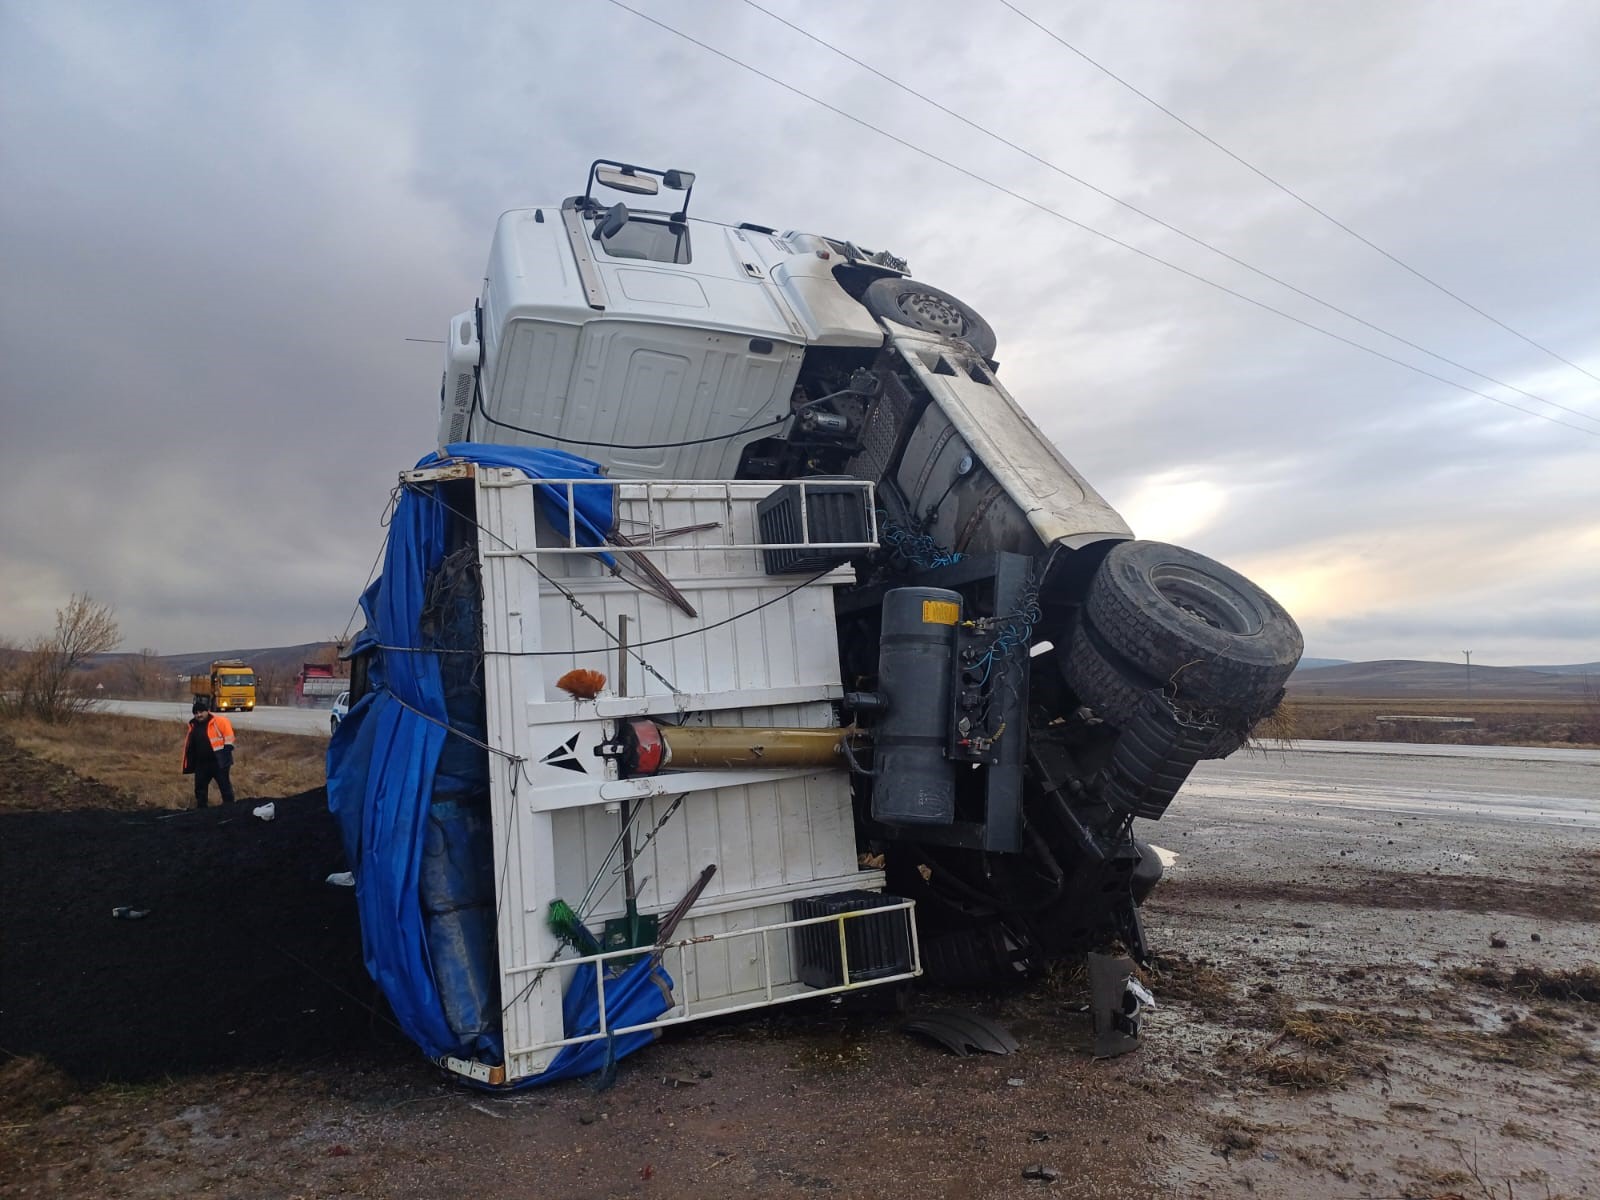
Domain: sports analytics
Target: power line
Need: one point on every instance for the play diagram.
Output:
(1044, 208)
(1159, 221)
(1133, 208)
(1290, 192)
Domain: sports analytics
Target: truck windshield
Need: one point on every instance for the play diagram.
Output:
(658, 241)
(236, 680)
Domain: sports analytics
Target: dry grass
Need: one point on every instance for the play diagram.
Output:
(1297, 1069)
(1195, 980)
(143, 757)
(1556, 721)
(1282, 724)
(1331, 1028)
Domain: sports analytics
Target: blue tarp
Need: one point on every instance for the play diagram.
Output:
(382, 764)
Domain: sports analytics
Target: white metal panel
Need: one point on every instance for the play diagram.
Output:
(610, 383)
(831, 316)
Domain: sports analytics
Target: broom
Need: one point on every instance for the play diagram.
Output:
(569, 927)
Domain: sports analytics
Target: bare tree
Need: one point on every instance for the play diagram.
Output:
(47, 681)
(273, 685)
(141, 674)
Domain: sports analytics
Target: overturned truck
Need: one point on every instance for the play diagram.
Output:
(744, 641)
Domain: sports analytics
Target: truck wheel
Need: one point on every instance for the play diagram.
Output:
(1110, 689)
(927, 308)
(1203, 633)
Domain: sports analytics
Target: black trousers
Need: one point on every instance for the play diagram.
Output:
(204, 773)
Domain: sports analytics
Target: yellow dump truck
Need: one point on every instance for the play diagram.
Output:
(230, 687)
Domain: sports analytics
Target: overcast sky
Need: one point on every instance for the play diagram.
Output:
(219, 224)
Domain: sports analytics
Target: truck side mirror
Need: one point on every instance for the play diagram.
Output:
(625, 180)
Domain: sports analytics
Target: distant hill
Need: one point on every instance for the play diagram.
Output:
(1310, 664)
(269, 658)
(1409, 677)
(279, 659)
(1570, 669)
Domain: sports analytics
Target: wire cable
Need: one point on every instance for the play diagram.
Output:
(383, 544)
(1116, 241)
(1296, 196)
(1167, 225)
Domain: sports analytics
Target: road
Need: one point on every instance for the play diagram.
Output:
(1464, 783)
(271, 720)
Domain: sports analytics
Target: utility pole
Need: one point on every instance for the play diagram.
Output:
(1468, 653)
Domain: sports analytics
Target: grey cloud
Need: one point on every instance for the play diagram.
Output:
(228, 219)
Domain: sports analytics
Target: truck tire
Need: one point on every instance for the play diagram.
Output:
(1107, 687)
(1200, 631)
(927, 308)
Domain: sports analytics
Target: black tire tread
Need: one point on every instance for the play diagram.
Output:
(1238, 681)
(1100, 683)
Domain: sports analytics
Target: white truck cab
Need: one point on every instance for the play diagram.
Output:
(665, 346)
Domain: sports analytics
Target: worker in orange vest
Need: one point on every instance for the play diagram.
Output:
(208, 753)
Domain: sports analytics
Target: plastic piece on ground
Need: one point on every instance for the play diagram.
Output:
(123, 913)
(962, 1032)
(342, 879)
(266, 811)
(1116, 999)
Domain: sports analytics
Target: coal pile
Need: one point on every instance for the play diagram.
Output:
(245, 957)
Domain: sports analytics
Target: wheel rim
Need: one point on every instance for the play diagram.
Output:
(1206, 600)
(934, 311)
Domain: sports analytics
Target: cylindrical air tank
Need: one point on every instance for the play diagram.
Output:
(915, 781)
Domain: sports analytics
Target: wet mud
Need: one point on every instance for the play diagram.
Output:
(1355, 1000)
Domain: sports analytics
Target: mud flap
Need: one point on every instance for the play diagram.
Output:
(1117, 1001)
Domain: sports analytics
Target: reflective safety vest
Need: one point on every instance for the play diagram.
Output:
(220, 732)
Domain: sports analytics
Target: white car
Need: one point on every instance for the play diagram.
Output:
(341, 709)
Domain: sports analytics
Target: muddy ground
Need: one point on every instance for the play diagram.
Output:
(1353, 1003)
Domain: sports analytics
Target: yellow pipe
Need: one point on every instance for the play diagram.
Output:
(743, 747)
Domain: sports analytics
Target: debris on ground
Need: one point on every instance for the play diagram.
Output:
(31, 1087)
(1578, 983)
(962, 1032)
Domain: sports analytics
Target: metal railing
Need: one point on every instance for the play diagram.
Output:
(682, 1011)
(654, 495)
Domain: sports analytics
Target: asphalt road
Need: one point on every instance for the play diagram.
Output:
(271, 720)
(1533, 785)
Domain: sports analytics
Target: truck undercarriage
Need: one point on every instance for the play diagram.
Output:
(1061, 733)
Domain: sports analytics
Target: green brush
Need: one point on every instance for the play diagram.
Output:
(567, 925)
